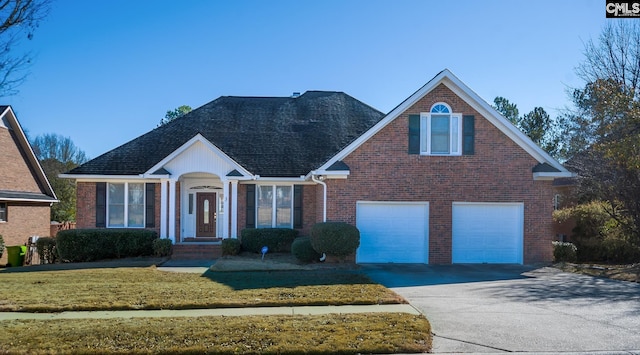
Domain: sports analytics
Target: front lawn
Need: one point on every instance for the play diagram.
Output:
(150, 288)
(331, 333)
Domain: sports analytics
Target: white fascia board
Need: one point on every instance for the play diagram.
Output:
(98, 178)
(198, 138)
(279, 179)
(500, 122)
(470, 97)
(31, 156)
(397, 111)
(29, 200)
(330, 174)
(552, 176)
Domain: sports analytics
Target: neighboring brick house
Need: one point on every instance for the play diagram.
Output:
(25, 193)
(442, 178)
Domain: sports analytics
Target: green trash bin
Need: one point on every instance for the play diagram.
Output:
(15, 255)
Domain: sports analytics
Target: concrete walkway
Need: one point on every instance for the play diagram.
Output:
(227, 312)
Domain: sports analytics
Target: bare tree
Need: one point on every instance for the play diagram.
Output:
(57, 155)
(18, 20)
(615, 56)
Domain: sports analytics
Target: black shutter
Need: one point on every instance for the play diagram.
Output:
(468, 134)
(414, 134)
(101, 204)
(297, 206)
(251, 206)
(150, 210)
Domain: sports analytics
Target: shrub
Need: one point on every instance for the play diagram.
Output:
(301, 248)
(276, 239)
(231, 246)
(1, 245)
(599, 236)
(162, 247)
(335, 238)
(78, 245)
(47, 250)
(564, 252)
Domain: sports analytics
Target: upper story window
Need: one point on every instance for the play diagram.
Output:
(125, 205)
(440, 131)
(3, 211)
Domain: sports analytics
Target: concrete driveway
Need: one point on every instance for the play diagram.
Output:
(513, 308)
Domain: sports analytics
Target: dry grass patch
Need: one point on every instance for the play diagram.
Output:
(150, 288)
(332, 333)
(618, 272)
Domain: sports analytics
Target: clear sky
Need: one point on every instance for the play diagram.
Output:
(106, 71)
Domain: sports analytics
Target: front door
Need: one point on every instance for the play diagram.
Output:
(206, 210)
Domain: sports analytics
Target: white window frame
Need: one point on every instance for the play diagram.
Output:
(274, 205)
(455, 138)
(4, 207)
(126, 205)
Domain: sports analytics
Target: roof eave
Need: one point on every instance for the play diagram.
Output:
(31, 156)
(552, 176)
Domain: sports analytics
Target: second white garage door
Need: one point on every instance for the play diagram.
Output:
(487, 232)
(393, 232)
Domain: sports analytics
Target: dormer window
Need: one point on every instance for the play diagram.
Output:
(440, 131)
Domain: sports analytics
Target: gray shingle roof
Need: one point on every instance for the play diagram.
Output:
(268, 136)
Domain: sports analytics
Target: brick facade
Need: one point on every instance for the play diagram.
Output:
(15, 174)
(24, 219)
(86, 209)
(499, 171)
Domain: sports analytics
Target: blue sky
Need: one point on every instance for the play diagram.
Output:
(106, 71)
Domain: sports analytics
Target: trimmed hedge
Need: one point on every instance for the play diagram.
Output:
(276, 239)
(564, 252)
(78, 245)
(301, 248)
(162, 247)
(47, 250)
(335, 238)
(231, 246)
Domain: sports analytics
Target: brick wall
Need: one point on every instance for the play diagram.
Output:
(500, 171)
(24, 220)
(86, 201)
(15, 174)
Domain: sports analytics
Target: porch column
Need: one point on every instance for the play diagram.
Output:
(172, 211)
(163, 208)
(225, 221)
(234, 213)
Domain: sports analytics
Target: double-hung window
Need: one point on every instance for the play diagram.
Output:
(274, 206)
(3, 211)
(440, 131)
(125, 205)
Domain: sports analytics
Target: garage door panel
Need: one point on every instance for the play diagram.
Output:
(487, 232)
(392, 232)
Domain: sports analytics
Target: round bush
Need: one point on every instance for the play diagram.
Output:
(231, 246)
(301, 248)
(162, 247)
(335, 238)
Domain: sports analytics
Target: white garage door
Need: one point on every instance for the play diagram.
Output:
(393, 232)
(487, 232)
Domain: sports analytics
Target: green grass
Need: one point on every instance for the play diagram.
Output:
(150, 288)
(352, 333)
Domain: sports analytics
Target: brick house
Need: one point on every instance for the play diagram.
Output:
(442, 178)
(25, 193)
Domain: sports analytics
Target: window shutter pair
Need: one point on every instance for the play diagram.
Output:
(468, 134)
(101, 205)
(251, 206)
